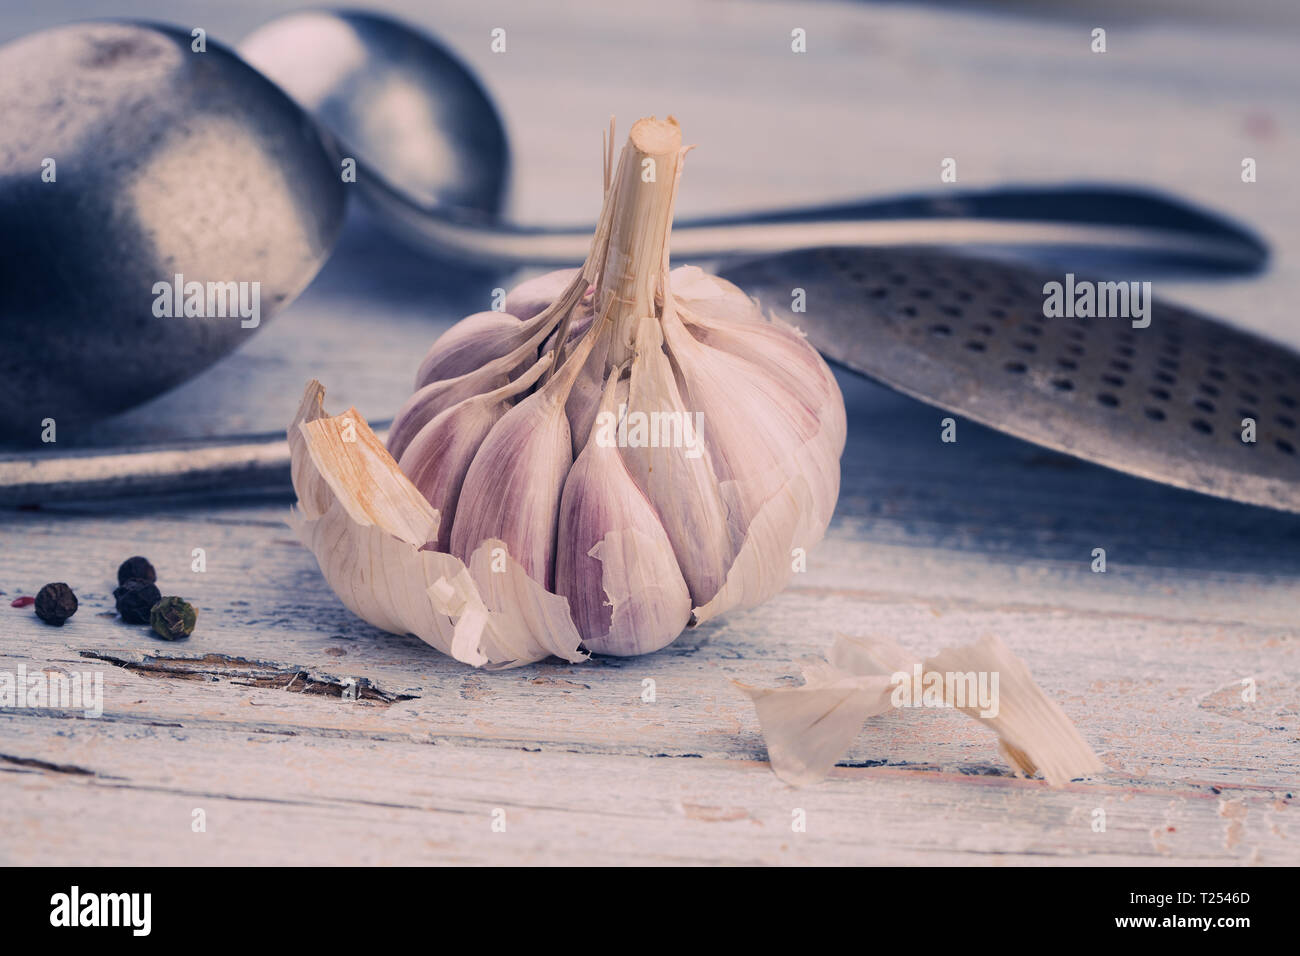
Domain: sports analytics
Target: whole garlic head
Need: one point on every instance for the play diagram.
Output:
(629, 451)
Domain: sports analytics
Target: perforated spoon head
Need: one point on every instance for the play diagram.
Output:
(1170, 402)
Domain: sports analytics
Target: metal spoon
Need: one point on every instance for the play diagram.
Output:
(129, 159)
(432, 158)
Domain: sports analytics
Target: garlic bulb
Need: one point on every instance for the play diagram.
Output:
(623, 451)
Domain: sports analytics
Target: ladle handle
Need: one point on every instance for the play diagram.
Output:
(1114, 221)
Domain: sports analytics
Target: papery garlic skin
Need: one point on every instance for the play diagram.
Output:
(698, 513)
(369, 528)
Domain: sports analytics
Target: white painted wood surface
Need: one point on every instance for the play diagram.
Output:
(932, 544)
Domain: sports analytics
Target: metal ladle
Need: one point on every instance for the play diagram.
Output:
(129, 159)
(432, 159)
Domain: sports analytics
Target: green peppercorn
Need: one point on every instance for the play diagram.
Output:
(173, 618)
(55, 603)
(135, 599)
(136, 569)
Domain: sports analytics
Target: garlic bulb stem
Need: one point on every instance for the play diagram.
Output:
(641, 201)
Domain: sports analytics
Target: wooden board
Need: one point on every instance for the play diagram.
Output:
(934, 544)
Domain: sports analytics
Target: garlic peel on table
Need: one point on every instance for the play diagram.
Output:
(808, 728)
(627, 449)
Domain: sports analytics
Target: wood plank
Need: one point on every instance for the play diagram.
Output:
(273, 798)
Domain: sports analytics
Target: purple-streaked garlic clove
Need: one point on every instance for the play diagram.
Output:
(678, 478)
(512, 490)
(529, 298)
(762, 434)
(469, 345)
(439, 456)
(434, 399)
(614, 562)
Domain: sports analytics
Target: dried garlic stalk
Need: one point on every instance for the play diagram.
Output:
(626, 449)
(809, 728)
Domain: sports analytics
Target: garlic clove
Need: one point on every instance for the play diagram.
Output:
(650, 604)
(437, 459)
(614, 562)
(783, 354)
(512, 489)
(677, 478)
(434, 399)
(529, 298)
(758, 434)
(469, 345)
(784, 530)
(788, 360)
(712, 297)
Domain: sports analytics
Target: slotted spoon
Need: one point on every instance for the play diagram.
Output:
(1165, 402)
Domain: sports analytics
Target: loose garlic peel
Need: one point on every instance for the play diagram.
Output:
(808, 728)
(513, 528)
(368, 527)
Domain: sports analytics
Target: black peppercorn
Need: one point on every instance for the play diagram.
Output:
(136, 568)
(173, 618)
(55, 603)
(135, 599)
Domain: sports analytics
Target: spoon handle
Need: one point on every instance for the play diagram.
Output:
(228, 465)
(1118, 222)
